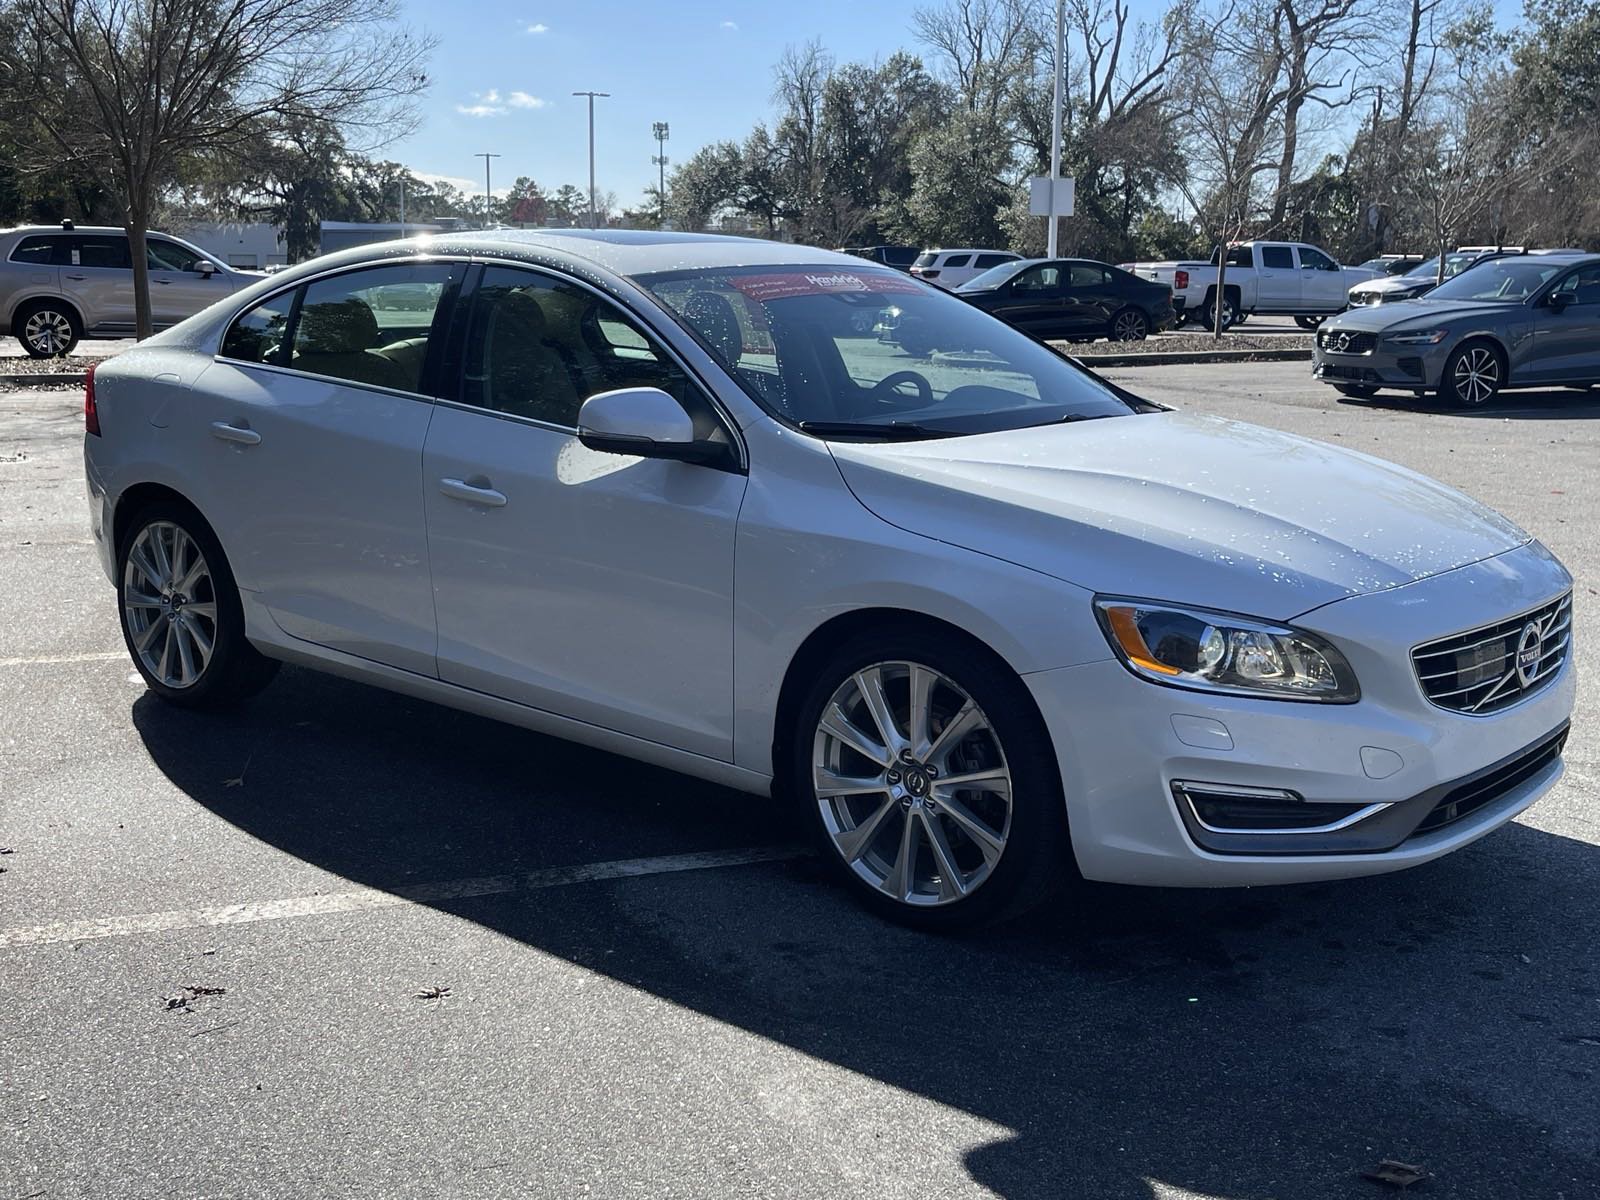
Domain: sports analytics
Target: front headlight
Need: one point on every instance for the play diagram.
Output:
(1221, 652)
(1426, 337)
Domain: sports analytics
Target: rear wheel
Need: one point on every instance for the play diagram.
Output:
(181, 617)
(1129, 325)
(46, 329)
(929, 779)
(1473, 375)
(1230, 313)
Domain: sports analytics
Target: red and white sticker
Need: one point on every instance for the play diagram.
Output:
(762, 288)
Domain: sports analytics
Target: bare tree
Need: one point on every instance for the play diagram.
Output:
(137, 88)
(983, 44)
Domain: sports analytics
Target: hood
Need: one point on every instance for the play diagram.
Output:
(1395, 283)
(1191, 509)
(1421, 313)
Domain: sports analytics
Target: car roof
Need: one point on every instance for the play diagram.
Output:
(639, 251)
(971, 250)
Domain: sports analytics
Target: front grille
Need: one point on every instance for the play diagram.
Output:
(1467, 799)
(1491, 668)
(1341, 341)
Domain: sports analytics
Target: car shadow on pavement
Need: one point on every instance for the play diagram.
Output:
(1540, 405)
(1244, 1044)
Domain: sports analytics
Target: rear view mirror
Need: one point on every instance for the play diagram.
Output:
(645, 422)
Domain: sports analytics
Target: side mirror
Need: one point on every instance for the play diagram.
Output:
(206, 267)
(1560, 300)
(644, 422)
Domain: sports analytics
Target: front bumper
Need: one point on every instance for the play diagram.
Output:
(1414, 367)
(1123, 744)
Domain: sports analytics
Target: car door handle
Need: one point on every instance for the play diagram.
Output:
(233, 433)
(79, 278)
(460, 489)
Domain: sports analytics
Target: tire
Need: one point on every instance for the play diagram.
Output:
(46, 328)
(1006, 855)
(195, 600)
(1230, 312)
(1129, 325)
(1473, 375)
(1309, 323)
(1361, 391)
(1242, 318)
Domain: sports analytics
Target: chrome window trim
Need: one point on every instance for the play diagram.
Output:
(657, 339)
(332, 380)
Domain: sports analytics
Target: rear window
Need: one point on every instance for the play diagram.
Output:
(900, 256)
(38, 249)
(958, 260)
(925, 259)
(985, 261)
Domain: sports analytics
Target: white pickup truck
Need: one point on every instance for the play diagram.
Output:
(1279, 278)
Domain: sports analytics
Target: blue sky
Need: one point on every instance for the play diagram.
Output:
(505, 70)
(504, 73)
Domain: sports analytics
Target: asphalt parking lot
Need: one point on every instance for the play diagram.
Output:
(640, 990)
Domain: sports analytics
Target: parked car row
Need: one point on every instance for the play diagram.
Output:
(1271, 278)
(1425, 276)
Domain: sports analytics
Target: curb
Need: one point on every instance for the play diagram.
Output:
(41, 379)
(1184, 357)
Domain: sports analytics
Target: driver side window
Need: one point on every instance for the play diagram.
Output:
(1583, 286)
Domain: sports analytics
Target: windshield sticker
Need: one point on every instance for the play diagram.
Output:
(762, 288)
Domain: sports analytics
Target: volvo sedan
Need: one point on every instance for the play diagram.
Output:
(987, 619)
(1531, 320)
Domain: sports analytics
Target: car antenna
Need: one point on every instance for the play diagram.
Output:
(67, 224)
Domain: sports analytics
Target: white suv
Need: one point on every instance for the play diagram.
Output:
(951, 268)
(59, 284)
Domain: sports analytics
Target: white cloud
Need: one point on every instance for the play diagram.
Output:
(538, 27)
(523, 100)
(733, 25)
(480, 110)
(492, 96)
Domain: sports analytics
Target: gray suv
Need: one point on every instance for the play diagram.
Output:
(1526, 320)
(59, 284)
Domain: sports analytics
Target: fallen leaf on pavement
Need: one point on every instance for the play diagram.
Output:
(1396, 1174)
(433, 993)
(182, 1001)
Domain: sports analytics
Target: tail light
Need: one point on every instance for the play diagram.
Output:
(91, 414)
(1180, 280)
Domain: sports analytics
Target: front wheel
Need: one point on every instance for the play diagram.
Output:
(929, 779)
(1129, 325)
(1473, 376)
(181, 616)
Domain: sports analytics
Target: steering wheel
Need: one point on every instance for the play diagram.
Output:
(884, 389)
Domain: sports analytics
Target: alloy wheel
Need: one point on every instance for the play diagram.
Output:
(48, 331)
(1476, 375)
(912, 783)
(1129, 327)
(170, 604)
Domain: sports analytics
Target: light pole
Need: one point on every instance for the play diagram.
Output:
(1055, 127)
(661, 132)
(487, 193)
(594, 221)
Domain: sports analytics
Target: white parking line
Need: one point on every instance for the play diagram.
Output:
(45, 659)
(368, 899)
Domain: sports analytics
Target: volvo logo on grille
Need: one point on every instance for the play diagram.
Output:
(1342, 342)
(1528, 653)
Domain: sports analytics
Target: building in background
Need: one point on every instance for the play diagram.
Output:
(341, 235)
(251, 247)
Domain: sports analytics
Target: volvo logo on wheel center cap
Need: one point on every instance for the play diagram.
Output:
(1528, 653)
(916, 782)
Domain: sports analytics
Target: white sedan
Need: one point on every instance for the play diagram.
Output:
(987, 618)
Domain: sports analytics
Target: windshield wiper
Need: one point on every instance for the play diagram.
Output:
(900, 431)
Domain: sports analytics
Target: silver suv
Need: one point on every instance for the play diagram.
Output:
(59, 284)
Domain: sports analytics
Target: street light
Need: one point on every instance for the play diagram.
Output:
(594, 220)
(1055, 126)
(487, 193)
(661, 132)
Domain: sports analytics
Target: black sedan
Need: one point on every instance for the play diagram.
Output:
(1071, 299)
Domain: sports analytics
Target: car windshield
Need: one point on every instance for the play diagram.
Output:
(993, 277)
(1500, 280)
(875, 354)
(1454, 264)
